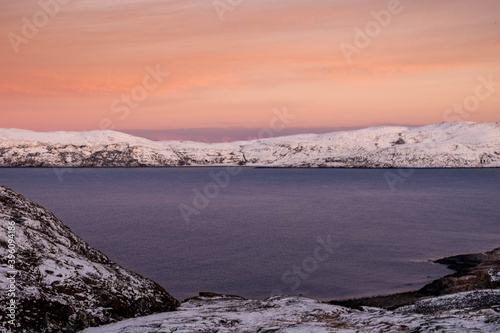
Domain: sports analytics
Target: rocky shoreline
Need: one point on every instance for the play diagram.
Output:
(473, 272)
(477, 271)
(467, 300)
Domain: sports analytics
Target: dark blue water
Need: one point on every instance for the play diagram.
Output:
(247, 238)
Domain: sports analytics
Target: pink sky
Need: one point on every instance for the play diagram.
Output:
(226, 74)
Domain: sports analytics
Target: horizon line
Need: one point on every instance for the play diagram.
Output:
(233, 134)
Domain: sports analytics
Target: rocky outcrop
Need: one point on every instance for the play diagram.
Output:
(473, 272)
(444, 145)
(59, 282)
(287, 314)
(466, 301)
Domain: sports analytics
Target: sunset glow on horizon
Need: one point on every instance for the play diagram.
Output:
(157, 65)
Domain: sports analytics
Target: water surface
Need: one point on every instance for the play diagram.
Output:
(253, 232)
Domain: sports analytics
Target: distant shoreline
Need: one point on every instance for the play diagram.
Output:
(442, 145)
(472, 272)
(246, 167)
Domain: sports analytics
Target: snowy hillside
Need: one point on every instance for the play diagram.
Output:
(450, 144)
(61, 282)
(299, 315)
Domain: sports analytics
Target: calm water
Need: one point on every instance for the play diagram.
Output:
(266, 221)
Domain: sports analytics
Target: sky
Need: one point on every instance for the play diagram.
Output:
(221, 70)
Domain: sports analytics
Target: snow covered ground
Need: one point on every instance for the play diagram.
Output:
(296, 314)
(449, 144)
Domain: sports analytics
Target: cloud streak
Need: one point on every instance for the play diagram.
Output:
(262, 55)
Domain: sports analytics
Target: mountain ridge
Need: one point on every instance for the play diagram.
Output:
(443, 145)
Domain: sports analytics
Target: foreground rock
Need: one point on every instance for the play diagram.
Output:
(451, 144)
(473, 272)
(62, 284)
(296, 314)
(466, 301)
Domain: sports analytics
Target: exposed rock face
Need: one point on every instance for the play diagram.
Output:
(63, 284)
(451, 144)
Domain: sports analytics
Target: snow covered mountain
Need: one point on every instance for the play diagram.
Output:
(57, 282)
(449, 144)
